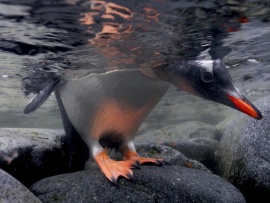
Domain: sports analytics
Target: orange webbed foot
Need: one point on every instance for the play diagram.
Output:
(135, 159)
(113, 169)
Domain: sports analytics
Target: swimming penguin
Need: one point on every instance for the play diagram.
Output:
(106, 109)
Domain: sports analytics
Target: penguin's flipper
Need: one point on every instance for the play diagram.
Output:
(40, 98)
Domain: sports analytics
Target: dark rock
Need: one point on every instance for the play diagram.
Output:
(12, 191)
(200, 149)
(32, 154)
(169, 154)
(195, 140)
(245, 157)
(151, 184)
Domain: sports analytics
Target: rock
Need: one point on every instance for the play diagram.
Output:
(202, 149)
(195, 140)
(245, 157)
(13, 191)
(223, 125)
(32, 154)
(151, 184)
(169, 154)
(180, 132)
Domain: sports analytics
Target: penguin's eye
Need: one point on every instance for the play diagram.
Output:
(206, 76)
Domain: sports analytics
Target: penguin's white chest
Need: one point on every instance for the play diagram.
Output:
(114, 103)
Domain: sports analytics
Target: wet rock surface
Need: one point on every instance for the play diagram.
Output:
(195, 140)
(202, 150)
(32, 154)
(12, 191)
(151, 184)
(245, 158)
(180, 132)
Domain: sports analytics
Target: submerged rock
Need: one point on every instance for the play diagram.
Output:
(180, 132)
(32, 154)
(201, 149)
(195, 140)
(12, 191)
(170, 155)
(245, 157)
(151, 184)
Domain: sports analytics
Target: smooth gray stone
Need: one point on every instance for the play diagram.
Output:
(202, 149)
(180, 132)
(245, 157)
(151, 184)
(12, 191)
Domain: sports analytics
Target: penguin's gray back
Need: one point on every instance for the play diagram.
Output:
(115, 102)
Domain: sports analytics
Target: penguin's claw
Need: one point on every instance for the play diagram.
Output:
(113, 180)
(113, 169)
(161, 162)
(136, 165)
(138, 162)
(166, 162)
(130, 176)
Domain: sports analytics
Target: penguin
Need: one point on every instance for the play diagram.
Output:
(106, 109)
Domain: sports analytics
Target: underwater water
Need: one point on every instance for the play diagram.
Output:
(41, 39)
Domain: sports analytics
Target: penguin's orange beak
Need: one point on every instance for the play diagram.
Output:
(246, 107)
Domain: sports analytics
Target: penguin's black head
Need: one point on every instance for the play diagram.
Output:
(207, 79)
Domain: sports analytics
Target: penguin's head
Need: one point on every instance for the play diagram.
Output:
(207, 79)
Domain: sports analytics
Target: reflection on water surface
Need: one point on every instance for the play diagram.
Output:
(42, 40)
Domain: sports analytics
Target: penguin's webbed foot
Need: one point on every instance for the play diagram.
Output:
(113, 169)
(134, 158)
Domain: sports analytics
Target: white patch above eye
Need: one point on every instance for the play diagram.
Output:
(207, 66)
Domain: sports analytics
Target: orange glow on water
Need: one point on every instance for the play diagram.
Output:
(110, 29)
(151, 13)
(111, 8)
(113, 26)
(107, 16)
(88, 18)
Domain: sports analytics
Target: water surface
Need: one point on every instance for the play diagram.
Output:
(41, 39)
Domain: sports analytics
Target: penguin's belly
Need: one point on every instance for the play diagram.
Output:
(116, 122)
(110, 107)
